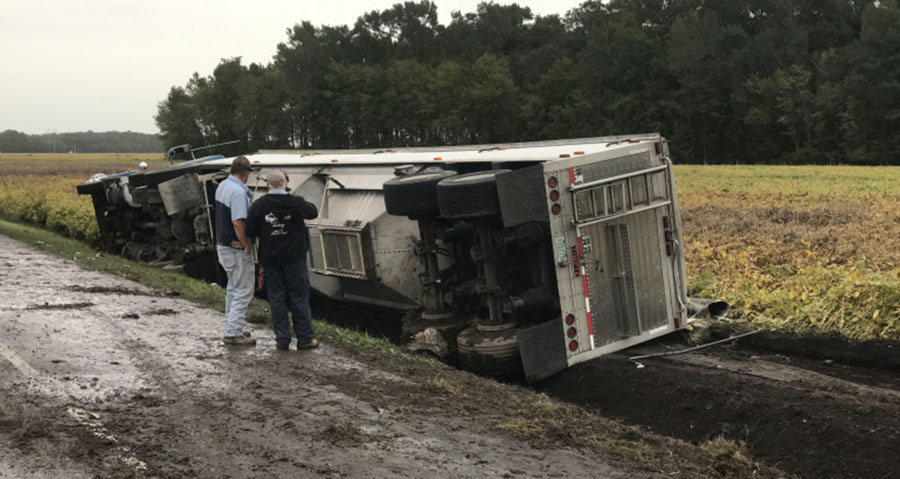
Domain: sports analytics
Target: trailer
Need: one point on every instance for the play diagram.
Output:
(512, 259)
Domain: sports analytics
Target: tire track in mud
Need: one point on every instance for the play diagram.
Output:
(800, 415)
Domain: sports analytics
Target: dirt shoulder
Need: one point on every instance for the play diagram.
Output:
(98, 381)
(808, 418)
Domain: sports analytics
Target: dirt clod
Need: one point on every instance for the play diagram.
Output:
(344, 434)
(61, 306)
(107, 290)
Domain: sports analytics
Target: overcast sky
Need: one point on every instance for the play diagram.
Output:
(77, 65)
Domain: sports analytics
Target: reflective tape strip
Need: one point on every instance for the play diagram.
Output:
(587, 294)
(572, 176)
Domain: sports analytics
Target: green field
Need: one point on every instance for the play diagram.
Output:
(801, 248)
(78, 164)
(804, 248)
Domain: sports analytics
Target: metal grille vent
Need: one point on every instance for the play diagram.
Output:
(616, 166)
(338, 252)
(631, 303)
(621, 273)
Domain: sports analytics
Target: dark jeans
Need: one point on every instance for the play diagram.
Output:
(287, 286)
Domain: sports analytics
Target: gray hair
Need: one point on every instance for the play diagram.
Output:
(276, 179)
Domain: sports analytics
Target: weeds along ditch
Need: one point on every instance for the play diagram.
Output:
(810, 249)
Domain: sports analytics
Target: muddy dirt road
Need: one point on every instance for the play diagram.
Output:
(99, 377)
(813, 418)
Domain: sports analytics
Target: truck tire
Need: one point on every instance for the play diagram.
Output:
(490, 353)
(414, 196)
(469, 196)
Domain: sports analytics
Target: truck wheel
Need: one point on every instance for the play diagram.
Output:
(490, 353)
(414, 196)
(473, 195)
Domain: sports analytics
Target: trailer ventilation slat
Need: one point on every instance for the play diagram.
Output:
(615, 167)
(632, 313)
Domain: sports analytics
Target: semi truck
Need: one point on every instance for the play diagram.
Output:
(512, 259)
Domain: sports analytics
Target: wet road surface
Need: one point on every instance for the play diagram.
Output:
(101, 377)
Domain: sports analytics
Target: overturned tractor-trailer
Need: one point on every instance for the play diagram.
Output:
(514, 258)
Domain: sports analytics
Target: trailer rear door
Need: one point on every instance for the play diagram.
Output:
(619, 265)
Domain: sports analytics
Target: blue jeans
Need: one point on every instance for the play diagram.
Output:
(239, 268)
(287, 286)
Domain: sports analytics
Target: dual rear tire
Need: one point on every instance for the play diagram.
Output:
(444, 193)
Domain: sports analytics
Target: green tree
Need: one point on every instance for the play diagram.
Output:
(490, 102)
(873, 88)
(724, 80)
(177, 119)
(786, 103)
(263, 108)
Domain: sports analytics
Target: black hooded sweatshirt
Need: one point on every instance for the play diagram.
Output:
(277, 220)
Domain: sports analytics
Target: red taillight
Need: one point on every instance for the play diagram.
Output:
(556, 208)
(677, 323)
(570, 319)
(573, 345)
(552, 182)
(658, 147)
(669, 249)
(668, 236)
(571, 332)
(564, 155)
(554, 195)
(665, 222)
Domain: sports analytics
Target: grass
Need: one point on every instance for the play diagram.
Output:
(795, 180)
(82, 165)
(721, 446)
(803, 249)
(39, 188)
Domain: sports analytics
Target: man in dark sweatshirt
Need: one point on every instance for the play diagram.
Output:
(277, 220)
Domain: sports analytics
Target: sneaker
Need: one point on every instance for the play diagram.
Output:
(283, 347)
(310, 345)
(246, 334)
(238, 341)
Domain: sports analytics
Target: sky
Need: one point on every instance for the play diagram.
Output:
(101, 65)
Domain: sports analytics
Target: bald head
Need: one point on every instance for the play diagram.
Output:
(276, 180)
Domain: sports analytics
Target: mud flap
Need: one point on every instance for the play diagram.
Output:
(543, 350)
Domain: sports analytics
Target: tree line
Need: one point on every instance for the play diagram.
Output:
(12, 141)
(727, 81)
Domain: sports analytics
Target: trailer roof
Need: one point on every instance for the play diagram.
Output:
(510, 152)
